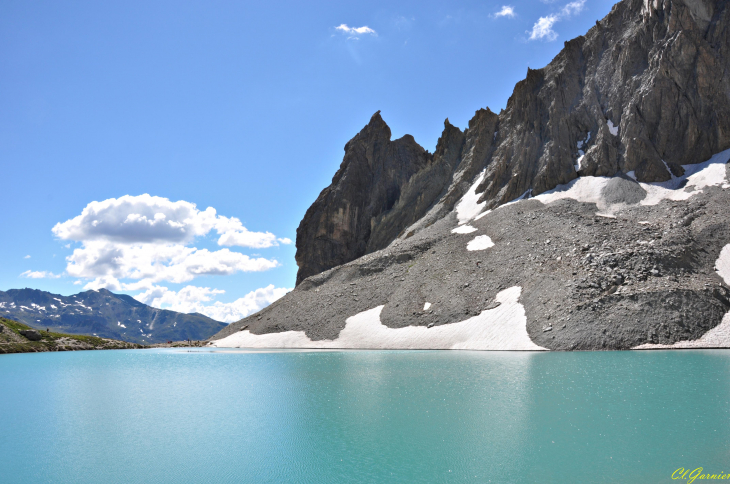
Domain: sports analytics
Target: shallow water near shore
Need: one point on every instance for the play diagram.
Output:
(152, 416)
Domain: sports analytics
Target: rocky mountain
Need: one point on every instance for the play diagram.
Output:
(590, 213)
(104, 314)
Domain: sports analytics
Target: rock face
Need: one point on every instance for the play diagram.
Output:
(614, 157)
(644, 92)
(381, 187)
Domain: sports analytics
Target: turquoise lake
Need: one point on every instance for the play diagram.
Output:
(153, 416)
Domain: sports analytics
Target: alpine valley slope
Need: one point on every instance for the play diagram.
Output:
(104, 314)
(591, 213)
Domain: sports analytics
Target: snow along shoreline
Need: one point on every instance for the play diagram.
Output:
(502, 328)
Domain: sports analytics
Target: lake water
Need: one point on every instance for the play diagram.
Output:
(153, 416)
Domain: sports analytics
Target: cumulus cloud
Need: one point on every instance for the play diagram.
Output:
(154, 263)
(39, 275)
(507, 11)
(192, 299)
(356, 32)
(148, 219)
(146, 240)
(543, 28)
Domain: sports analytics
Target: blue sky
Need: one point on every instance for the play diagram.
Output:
(244, 107)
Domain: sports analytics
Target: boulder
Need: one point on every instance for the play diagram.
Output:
(31, 334)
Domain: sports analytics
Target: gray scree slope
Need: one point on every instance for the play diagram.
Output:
(644, 91)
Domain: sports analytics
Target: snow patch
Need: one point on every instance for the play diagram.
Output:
(722, 266)
(480, 242)
(589, 189)
(671, 175)
(611, 128)
(119, 323)
(501, 328)
(699, 176)
(464, 229)
(581, 151)
(468, 208)
(60, 302)
(586, 189)
(717, 337)
(483, 214)
(426, 306)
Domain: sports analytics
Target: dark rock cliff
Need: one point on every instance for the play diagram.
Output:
(646, 90)
(382, 186)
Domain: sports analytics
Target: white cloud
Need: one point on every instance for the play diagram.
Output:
(26, 257)
(543, 28)
(507, 11)
(192, 299)
(39, 275)
(148, 219)
(573, 8)
(150, 263)
(355, 32)
(146, 240)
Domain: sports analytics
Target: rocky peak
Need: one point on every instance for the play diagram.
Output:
(339, 226)
(644, 92)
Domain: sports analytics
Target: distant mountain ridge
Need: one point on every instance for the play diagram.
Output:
(105, 314)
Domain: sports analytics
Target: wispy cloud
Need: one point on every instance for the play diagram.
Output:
(192, 299)
(543, 28)
(39, 275)
(507, 11)
(573, 8)
(355, 32)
